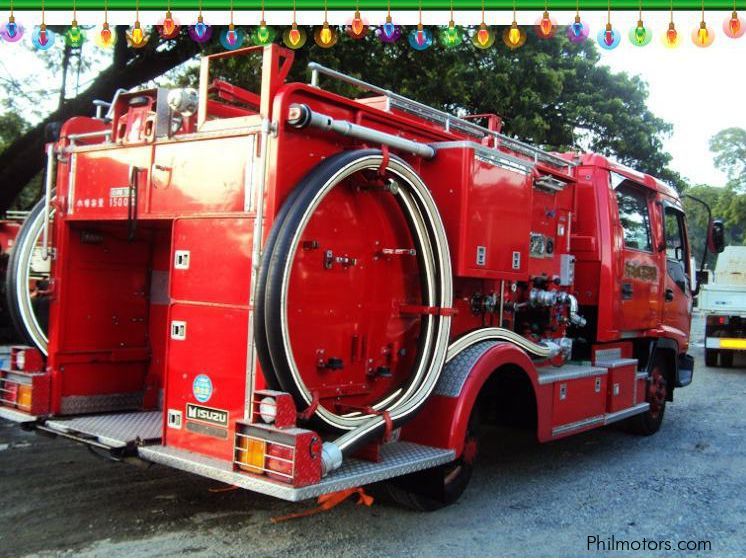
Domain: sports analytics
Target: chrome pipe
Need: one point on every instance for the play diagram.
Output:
(450, 120)
(301, 116)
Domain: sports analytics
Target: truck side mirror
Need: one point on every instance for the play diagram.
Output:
(716, 236)
(703, 277)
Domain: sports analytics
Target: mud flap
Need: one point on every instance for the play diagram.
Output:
(685, 371)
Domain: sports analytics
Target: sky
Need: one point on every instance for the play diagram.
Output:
(699, 91)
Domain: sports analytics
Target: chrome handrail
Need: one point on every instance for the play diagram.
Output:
(49, 186)
(450, 122)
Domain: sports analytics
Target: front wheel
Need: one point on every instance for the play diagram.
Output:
(649, 422)
(711, 358)
(726, 358)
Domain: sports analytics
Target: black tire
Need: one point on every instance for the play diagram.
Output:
(649, 422)
(726, 358)
(438, 487)
(40, 305)
(711, 358)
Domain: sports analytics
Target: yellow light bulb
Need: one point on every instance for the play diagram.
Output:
(514, 35)
(326, 34)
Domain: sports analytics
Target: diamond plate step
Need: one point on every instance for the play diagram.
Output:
(111, 430)
(397, 459)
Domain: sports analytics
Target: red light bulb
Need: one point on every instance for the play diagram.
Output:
(545, 25)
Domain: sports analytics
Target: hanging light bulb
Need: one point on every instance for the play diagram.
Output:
(105, 38)
(703, 36)
(420, 39)
(357, 28)
(294, 37)
(43, 38)
(11, 31)
(671, 36)
(514, 37)
(325, 36)
(640, 35)
(137, 38)
(74, 36)
(577, 31)
(168, 27)
(484, 38)
(200, 32)
(733, 26)
(263, 34)
(546, 27)
(609, 38)
(451, 36)
(388, 32)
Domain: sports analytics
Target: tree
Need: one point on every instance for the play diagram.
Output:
(551, 93)
(729, 147)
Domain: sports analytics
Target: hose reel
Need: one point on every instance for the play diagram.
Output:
(296, 269)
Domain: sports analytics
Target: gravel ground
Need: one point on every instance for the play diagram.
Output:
(684, 483)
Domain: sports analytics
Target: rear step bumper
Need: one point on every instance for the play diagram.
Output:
(16, 416)
(109, 431)
(398, 458)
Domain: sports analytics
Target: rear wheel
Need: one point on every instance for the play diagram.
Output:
(711, 358)
(439, 487)
(726, 358)
(649, 422)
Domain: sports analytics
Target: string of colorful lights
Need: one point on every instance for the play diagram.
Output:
(419, 38)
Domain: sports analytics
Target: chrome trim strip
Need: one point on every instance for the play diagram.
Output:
(568, 372)
(572, 426)
(626, 413)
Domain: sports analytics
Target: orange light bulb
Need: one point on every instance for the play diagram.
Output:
(672, 36)
(545, 25)
(483, 35)
(357, 24)
(294, 35)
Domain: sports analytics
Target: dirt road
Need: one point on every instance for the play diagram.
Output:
(685, 483)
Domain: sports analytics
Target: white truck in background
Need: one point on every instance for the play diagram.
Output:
(723, 301)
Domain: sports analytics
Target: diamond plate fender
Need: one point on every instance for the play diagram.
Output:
(443, 420)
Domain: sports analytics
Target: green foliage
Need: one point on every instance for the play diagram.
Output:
(549, 92)
(11, 127)
(729, 147)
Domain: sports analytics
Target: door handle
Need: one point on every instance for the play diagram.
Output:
(669, 294)
(627, 291)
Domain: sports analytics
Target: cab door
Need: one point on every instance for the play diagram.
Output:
(638, 278)
(677, 294)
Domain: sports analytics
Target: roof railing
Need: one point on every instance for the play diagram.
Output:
(449, 122)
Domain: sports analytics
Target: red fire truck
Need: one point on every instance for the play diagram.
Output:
(296, 292)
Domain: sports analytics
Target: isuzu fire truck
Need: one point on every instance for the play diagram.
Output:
(298, 293)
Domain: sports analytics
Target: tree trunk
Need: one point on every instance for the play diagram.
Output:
(24, 158)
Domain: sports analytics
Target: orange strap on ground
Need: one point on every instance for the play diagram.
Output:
(329, 501)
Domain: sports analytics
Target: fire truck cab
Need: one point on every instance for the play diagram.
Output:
(297, 292)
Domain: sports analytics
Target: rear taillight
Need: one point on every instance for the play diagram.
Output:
(29, 392)
(270, 445)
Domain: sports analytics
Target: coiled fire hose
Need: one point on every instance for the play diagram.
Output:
(271, 318)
